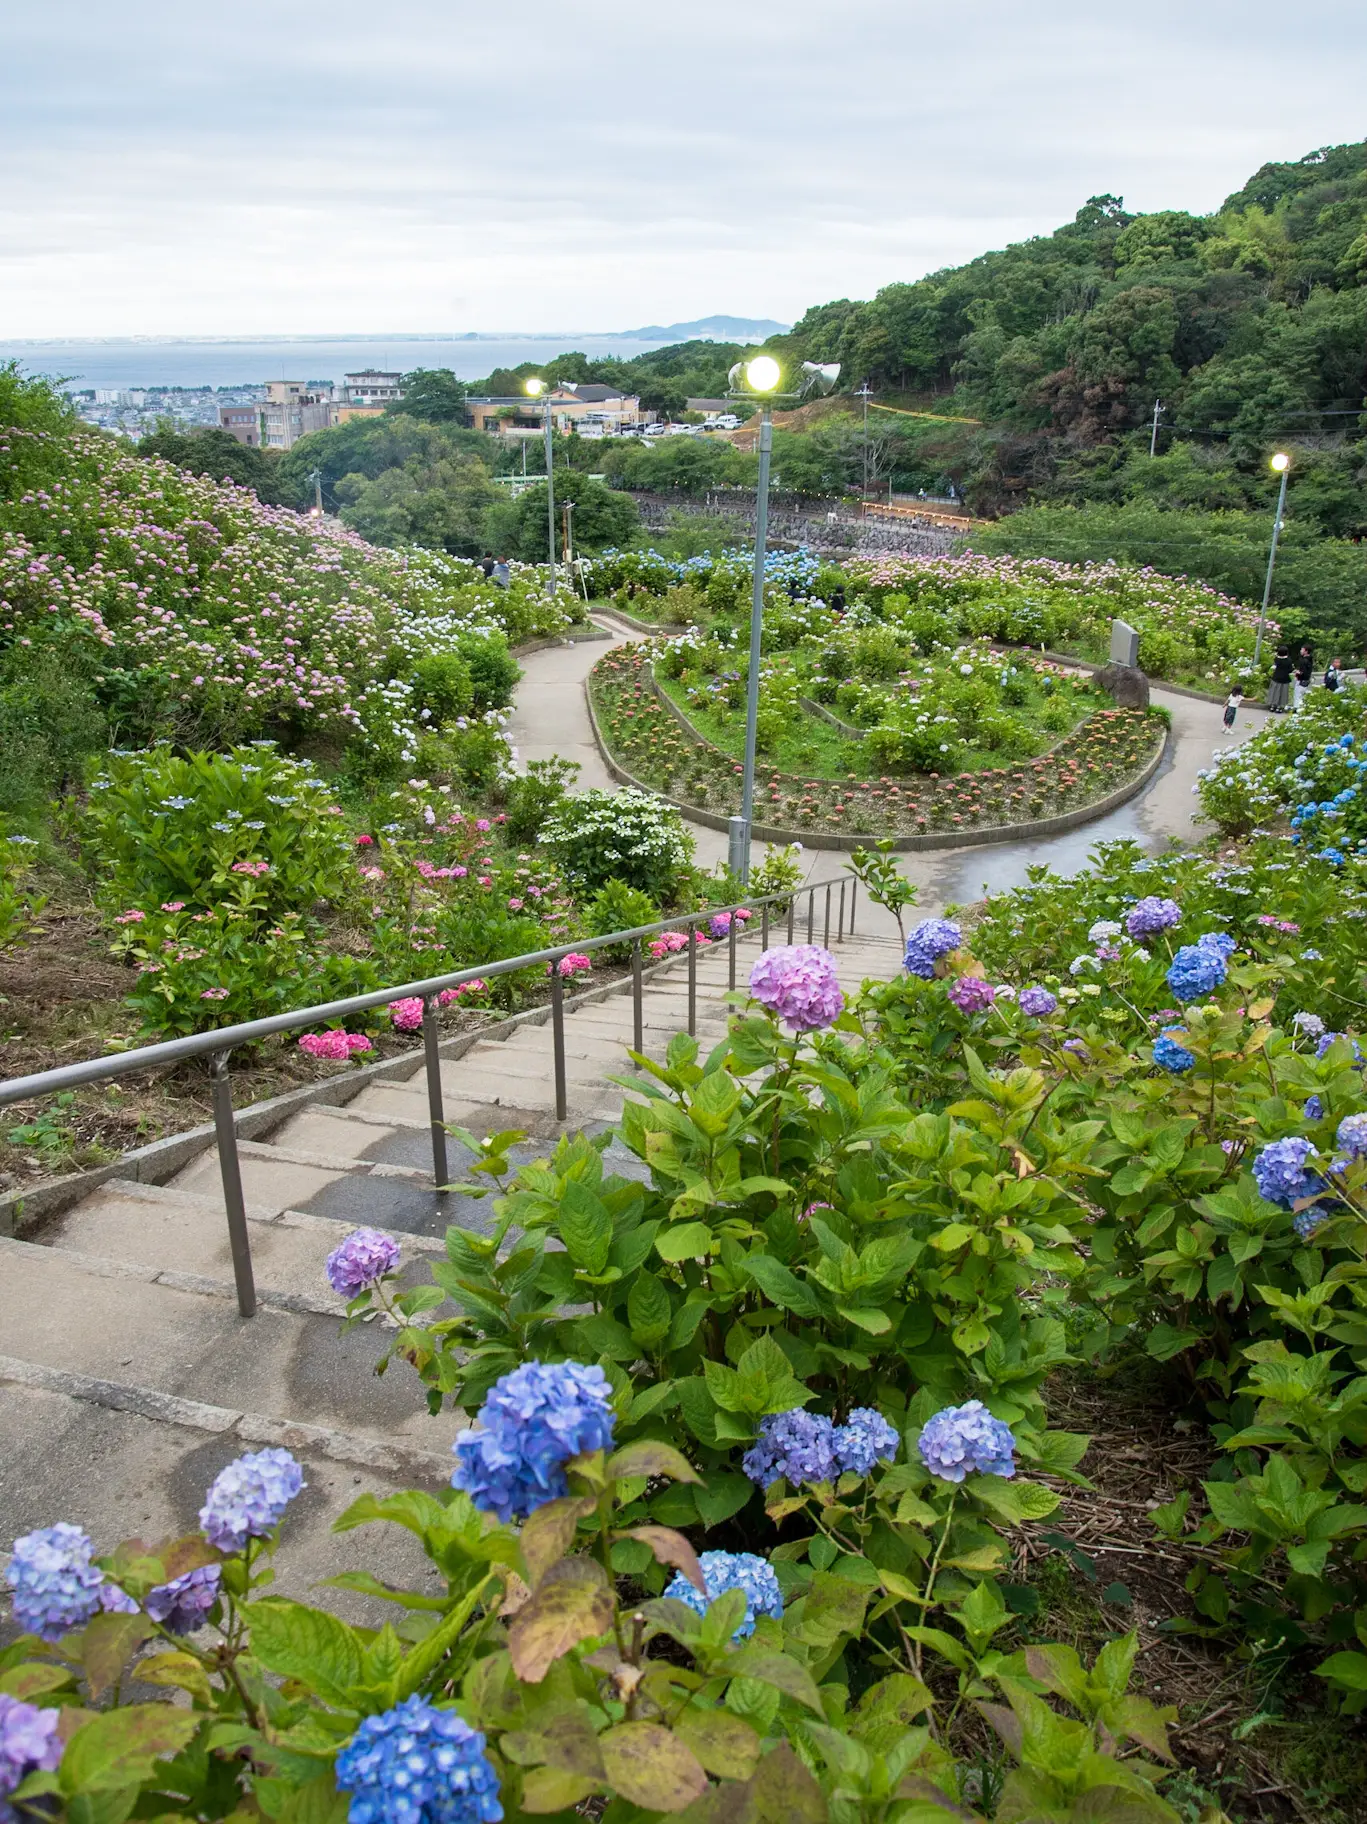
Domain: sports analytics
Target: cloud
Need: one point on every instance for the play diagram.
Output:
(430, 165)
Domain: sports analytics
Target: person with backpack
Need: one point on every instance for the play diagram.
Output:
(1333, 677)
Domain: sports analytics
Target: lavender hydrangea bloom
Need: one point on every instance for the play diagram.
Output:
(1314, 1109)
(960, 1439)
(183, 1604)
(927, 943)
(798, 982)
(797, 1445)
(1037, 1003)
(416, 1764)
(1351, 1135)
(1168, 1054)
(1328, 1038)
(248, 1498)
(1149, 916)
(361, 1260)
(864, 1439)
(1077, 1045)
(28, 1744)
(530, 1425)
(115, 1601)
(56, 1587)
(1309, 1023)
(1280, 1172)
(1195, 971)
(723, 1571)
(971, 994)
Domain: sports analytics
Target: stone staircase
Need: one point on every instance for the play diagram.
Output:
(127, 1375)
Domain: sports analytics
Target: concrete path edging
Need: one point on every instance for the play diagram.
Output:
(939, 839)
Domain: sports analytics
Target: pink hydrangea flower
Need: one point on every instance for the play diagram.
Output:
(214, 994)
(573, 964)
(798, 982)
(971, 994)
(407, 1013)
(337, 1046)
(173, 905)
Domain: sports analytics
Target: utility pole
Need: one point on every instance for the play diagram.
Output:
(1153, 440)
(865, 395)
(567, 516)
(1281, 464)
(315, 476)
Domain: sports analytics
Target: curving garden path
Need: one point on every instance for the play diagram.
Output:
(550, 717)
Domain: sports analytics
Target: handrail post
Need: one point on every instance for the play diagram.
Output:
(637, 1009)
(840, 921)
(764, 927)
(692, 931)
(436, 1108)
(854, 887)
(731, 946)
(792, 915)
(230, 1168)
(811, 914)
(826, 935)
(562, 1096)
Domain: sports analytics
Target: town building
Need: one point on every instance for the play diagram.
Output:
(585, 406)
(370, 387)
(242, 422)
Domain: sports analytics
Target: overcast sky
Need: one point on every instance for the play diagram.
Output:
(178, 167)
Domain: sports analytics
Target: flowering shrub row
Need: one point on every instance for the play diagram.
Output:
(1304, 770)
(1108, 749)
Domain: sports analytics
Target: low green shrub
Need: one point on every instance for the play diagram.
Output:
(630, 836)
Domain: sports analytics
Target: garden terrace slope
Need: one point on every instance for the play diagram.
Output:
(1107, 752)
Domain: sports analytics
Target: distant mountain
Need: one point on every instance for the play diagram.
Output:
(710, 329)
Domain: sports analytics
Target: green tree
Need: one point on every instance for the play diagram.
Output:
(603, 517)
(216, 453)
(433, 395)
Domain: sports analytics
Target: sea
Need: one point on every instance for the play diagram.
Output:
(151, 361)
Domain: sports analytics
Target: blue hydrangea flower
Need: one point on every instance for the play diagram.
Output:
(1149, 916)
(1309, 1023)
(1280, 1172)
(183, 1604)
(532, 1422)
(1219, 941)
(416, 1764)
(1328, 1038)
(960, 1439)
(797, 1445)
(361, 1260)
(1333, 855)
(1309, 1220)
(56, 1587)
(927, 943)
(249, 1497)
(864, 1439)
(28, 1744)
(1036, 1003)
(723, 1571)
(1168, 1054)
(115, 1601)
(1314, 1109)
(1195, 971)
(1352, 1135)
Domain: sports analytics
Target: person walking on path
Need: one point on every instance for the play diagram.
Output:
(1333, 677)
(1232, 702)
(1279, 690)
(1304, 667)
(502, 573)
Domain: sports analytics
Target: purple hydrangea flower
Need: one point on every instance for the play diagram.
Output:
(798, 982)
(1328, 1038)
(532, 1422)
(416, 1764)
(183, 1604)
(960, 1439)
(248, 1498)
(1038, 1003)
(1351, 1135)
(360, 1261)
(1281, 1175)
(28, 1744)
(1149, 916)
(1077, 1045)
(797, 1445)
(971, 994)
(1195, 971)
(723, 1571)
(1309, 1023)
(927, 943)
(1168, 1054)
(864, 1439)
(115, 1601)
(56, 1587)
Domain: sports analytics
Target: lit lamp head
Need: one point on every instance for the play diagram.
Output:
(763, 374)
(534, 386)
(1281, 462)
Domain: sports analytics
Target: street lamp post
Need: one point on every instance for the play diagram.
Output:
(536, 388)
(762, 376)
(1281, 463)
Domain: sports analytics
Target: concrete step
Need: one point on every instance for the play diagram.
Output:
(62, 1312)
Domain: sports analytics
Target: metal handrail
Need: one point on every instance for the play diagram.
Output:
(219, 1044)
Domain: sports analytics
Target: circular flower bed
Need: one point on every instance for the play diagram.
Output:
(648, 741)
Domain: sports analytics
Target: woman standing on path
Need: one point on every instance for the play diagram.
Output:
(1279, 690)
